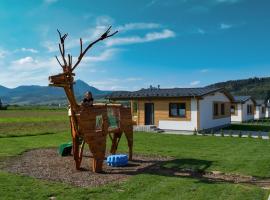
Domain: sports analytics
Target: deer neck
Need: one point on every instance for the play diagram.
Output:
(71, 98)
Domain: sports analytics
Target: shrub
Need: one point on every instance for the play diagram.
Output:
(221, 133)
(195, 131)
(231, 133)
(203, 132)
(260, 135)
(240, 134)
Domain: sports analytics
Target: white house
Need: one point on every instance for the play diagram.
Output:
(267, 111)
(242, 109)
(183, 109)
(260, 109)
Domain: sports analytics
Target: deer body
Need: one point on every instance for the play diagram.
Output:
(83, 118)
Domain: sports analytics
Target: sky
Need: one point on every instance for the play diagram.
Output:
(172, 43)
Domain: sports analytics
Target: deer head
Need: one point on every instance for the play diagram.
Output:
(66, 78)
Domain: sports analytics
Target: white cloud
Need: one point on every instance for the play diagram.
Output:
(29, 50)
(72, 42)
(23, 61)
(50, 46)
(104, 20)
(204, 70)
(104, 56)
(194, 83)
(137, 26)
(224, 26)
(34, 70)
(201, 31)
(115, 83)
(134, 79)
(228, 1)
(102, 24)
(28, 71)
(149, 37)
(3, 53)
(29, 64)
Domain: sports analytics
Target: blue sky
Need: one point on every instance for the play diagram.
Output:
(173, 43)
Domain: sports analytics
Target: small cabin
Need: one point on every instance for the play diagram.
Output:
(243, 109)
(260, 111)
(182, 109)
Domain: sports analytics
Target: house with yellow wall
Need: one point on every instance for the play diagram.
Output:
(183, 109)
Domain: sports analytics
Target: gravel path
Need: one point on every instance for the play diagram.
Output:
(47, 164)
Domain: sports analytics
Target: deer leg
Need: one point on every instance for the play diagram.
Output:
(97, 146)
(76, 153)
(129, 136)
(76, 148)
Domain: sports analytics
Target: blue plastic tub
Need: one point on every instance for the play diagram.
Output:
(117, 160)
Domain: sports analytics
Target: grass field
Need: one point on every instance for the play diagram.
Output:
(14, 123)
(243, 156)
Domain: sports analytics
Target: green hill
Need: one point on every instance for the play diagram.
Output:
(259, 88)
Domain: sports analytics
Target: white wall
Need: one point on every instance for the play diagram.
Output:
(258, 113)
(245, 116)
(206, 111)
(267, 112)
(239, 116)
(182, 125)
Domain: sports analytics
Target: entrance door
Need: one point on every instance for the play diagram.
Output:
(149, 113)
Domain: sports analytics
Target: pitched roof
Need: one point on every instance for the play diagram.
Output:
(241, 99)
(163, 93)
(260, 102)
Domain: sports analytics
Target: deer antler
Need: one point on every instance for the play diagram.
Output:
(82, 52)
(61, 46)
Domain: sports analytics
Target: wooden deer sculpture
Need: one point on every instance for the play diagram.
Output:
(83, 118)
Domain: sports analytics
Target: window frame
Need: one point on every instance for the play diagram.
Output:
(215, 109)
(222, 109)
(263, 110)
(249, 109)
(177, 110)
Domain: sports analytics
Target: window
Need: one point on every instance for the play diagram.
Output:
(177, 110)
(215, 109)
(263, 110)
(249, 109)
(222, 109)
(233, 109)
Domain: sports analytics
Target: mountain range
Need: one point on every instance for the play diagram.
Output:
(259, 88)
(35, 95)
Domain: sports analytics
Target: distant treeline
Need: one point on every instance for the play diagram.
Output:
(258, 88)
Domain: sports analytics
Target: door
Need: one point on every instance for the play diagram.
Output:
(149, 113)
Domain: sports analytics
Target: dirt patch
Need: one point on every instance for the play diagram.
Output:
(47, 164)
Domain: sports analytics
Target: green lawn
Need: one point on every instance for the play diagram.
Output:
(236, 155)
(14, 123)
